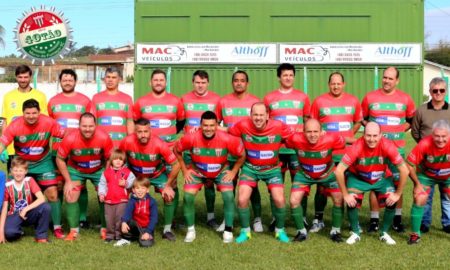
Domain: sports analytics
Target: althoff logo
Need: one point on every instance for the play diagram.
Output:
(394, 51)
(254, 51)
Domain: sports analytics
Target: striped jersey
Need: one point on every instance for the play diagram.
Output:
(390, 112)
(163, 114)
(210, 155)
(369, 164)
(86, 155)
(232, 109)
(195, 106)
(147, 160)
(262, 147)
(20, 197)
(431, 160)
(316, 159)
(113, 112)
(31, 142)
(67, 111)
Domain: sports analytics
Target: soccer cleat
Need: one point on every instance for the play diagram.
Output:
(305, 222)
(122, 242)
(103, 233)
(243, 236)
(257, 225)
(84, 224)
(58, 233)
(353, 238)
(272, 225)
(300, 237)
(169, 236)
(227, 237)
(424, 228)
(387, 238)
(316, 226)
(414, 238)
(73, 235)
(282, 236)
(373, 226)
(212, 223)
(336, 237)
(221, 227)
(190, 236)
(398, 227)
(42, 241)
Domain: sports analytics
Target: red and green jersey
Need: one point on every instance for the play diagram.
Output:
(195, 106)
(289, 108)
(209, 156)
(19, 197)
(86, 155)
(316, 159)
(370, 164)
(232, 109)
(390, 112)
(113, 112)
(147, 160)
(67, 111)
(430, 160)
(31, 142)
(163, 114)
(337, 116)
(262, 147)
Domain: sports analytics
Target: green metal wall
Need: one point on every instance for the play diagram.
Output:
(389, 21)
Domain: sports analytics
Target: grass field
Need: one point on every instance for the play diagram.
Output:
(261, 252)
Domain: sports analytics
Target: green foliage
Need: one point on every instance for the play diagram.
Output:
(129, 79)
(440, 55)
(8, 78)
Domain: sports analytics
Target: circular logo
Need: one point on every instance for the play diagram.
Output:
(22, 139)
(43, 35)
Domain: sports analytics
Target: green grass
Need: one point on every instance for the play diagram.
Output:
(262, 252)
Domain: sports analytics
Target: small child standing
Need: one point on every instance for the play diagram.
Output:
(24, 205)
(113, 188)
(141, 216)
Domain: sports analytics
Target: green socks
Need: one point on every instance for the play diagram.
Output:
(244, 217)
(353, 218)
(73, 214)
(56, 212)
(170, 209)
(228, 207)
(388, 218)
(189, 209)
(297, 215)
(416, 218)
(280, 215)
(336, 215)
(83, 202)
(210, 198)
(255, 198)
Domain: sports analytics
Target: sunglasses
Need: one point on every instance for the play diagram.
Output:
(435, 91)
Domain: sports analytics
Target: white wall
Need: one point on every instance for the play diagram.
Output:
(430, 72)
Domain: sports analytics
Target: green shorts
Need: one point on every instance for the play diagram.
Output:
(159, 182)
(303, 182)
(429, 182)
(289, 162)
(381, 188)
(394, 169)
(272, 178)
(198, 182)
(78, 176)
(43, 171)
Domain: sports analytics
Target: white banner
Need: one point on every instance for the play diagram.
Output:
(212, 53)
(350, 53)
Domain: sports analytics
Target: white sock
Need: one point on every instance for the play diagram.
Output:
(398, 211)
(191, 228)
(335, 230)
(257, 219)
(210, 216)
(303, 231)
(167, 228)
(374, 214)
(56, 227)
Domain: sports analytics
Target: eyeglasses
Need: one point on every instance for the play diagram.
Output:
(435, 91)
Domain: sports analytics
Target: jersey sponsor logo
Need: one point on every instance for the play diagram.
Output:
(160, 123)
(314, 168)
(144, 170)
(90, 164)
(194, 122)
(19, 205)
(208, 167)
(274, 180)
(32, 151)
(388, 121)
(261, 154)
(288, 119)
(111, 121)
(22, 139)
(338, 126)
(13, 105)
(69, 123)
(440, 172)
(374, 175)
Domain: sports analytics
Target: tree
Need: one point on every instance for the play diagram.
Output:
(108, 50)
(2, 32)
(441, 54)
(84, 51)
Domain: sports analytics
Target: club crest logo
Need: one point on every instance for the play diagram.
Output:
(58, 108)
(122, 106)
(152, 157)
(78, 108)
(170, 108)
(228, 112)
(22, 139)
(219, 152)
(271, 139)
(41, 135)
(376, 106)
(296, 104)
(148, 109)
(132, 155)
(300, 153)
(211, 107)
(430, 159)
(190, 106)
(97, 151)
(275, 105)
(398, 106)
(323, 153)
(101, 106)
(196, 151)
(248, 138)
(380, 160)
(362, 161)
(348, 110)
(77, 152)
(326, 111)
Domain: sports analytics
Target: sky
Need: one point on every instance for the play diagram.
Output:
(109, 23)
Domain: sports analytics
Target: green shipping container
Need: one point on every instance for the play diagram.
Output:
(280, 21)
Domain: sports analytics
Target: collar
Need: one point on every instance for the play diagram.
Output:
(430, 106)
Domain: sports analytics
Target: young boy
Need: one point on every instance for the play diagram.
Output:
(24, 204)
(141, 216)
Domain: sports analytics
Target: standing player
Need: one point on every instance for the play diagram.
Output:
(13, 100)
(147, 156)
(113, 108)
(209, 149)
(314, 150)
(66, 108)
(429, 164)
(292, 107)
(31, 134)
(262, 141)
(393, 110)
(339, 113)
(196, 102)
(82, 155)
(368, 171)
(234, 108)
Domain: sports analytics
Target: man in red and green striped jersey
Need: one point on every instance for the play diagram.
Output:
(209, 150)
(393, 110)
(368, 170)
(233, 108)
(113, 108)
(429, 164)
(314, 150)
(339, 113)
(82, 156)
(148, 156)
(196, 102)
(262, 139)
(66, 108)
(31, 134)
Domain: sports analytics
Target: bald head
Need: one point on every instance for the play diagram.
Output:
(372, 134)
(372, 127)
(312, 131)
